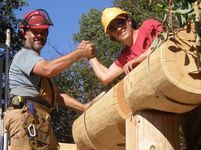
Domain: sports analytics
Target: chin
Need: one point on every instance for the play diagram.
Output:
(125, 37)
(38, 47)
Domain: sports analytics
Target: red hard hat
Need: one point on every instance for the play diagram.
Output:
(36, 19)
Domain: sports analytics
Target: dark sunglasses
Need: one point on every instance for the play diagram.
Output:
(117, 23)
(41, 32)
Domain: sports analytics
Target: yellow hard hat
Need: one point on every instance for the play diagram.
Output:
(110, 14)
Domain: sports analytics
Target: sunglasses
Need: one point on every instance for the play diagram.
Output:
(41, 32)
(117, 23)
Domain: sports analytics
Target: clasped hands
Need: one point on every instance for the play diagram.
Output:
(88, 49)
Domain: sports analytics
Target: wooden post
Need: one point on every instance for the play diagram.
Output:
(152, 130)
(130, 133)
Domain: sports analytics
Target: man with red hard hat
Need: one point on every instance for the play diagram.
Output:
(32, 93)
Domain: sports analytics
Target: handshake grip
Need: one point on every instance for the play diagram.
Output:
(87, 49)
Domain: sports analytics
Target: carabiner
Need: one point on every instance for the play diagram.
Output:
(32, 130)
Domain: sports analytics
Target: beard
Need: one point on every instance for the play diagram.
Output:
(36, 44)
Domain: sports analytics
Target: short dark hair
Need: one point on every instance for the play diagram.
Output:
(134, 23)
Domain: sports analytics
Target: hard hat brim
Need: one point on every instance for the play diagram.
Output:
(40, 27)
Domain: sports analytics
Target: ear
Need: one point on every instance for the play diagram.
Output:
(129, 21)
(21, 33)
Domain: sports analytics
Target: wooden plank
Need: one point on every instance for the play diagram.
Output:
(131, 133)
(152, 130)
(67, 146)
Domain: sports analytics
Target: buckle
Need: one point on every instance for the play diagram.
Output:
(17, 101)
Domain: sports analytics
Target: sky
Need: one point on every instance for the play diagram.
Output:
(65, 15)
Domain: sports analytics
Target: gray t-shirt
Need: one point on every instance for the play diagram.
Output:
(21, 81)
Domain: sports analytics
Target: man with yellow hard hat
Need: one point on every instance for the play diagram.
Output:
(121, 28)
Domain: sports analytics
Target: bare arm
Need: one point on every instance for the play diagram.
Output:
(68, 101)
(133, 63)
(50, 69)
(106, 75)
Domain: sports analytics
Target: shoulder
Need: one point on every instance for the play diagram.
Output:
(26, 53)
(150, 22)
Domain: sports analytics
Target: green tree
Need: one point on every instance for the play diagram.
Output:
(8, 20)
(149, 7)
(80, 81)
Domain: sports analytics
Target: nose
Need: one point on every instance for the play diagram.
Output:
(40, 35)
(117, 29)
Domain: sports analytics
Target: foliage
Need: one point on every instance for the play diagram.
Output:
(80, 77)
(135, 8)
(8, 20)
(181, 9)
(80, 81)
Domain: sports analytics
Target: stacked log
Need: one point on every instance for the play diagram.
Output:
(167, 81)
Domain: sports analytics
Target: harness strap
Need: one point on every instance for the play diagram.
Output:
(48, 92)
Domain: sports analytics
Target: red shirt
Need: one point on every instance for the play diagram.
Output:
(146, 34)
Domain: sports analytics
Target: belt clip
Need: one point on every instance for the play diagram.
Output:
(17, 100)
(32, 130)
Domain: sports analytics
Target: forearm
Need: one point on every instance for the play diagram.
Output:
(142, 57)
(68, 101)
(54, 67)
(99, 69)
(61, 63)
(106, 75)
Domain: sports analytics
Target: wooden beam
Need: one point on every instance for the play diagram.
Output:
(152, 130)
(67, 146)
(162, 82)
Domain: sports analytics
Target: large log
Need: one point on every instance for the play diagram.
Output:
(163, 81)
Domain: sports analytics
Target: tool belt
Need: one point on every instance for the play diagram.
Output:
(46, 96)
(18, 102)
